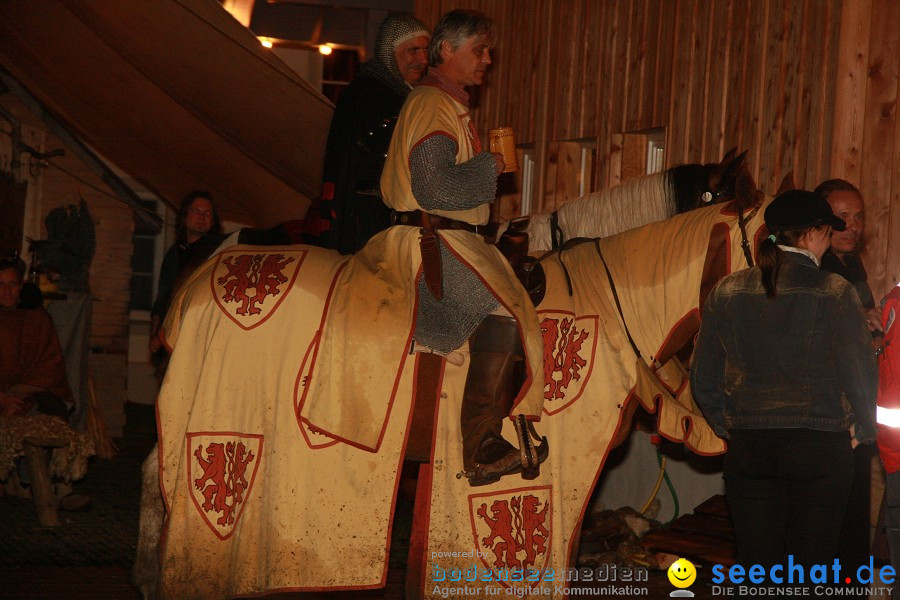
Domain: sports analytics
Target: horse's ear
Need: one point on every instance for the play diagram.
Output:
(729, 156)
(787, 183)
(734, 164)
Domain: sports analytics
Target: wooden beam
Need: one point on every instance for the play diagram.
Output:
(850, 89)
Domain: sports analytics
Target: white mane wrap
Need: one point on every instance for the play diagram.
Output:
(634, 203)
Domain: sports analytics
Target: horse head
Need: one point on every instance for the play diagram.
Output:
(639, 201)
(728, 180)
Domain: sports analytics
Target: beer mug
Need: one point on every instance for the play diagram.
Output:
(503, 142)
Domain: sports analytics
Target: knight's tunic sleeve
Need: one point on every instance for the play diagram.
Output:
(435, 161)
(438, 183)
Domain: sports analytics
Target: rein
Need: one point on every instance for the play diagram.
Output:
(612, 287)
(556, 232)
(745, 246)
(742, 225)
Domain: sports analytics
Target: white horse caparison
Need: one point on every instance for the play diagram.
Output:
(600, 214)
(635, 203)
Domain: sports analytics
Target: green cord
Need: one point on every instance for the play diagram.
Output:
(659, 459)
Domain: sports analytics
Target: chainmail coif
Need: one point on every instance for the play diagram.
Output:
(393, 31)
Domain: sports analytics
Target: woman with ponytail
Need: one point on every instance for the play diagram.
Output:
(784, 369)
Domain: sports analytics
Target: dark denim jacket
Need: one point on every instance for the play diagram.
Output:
(803, 359)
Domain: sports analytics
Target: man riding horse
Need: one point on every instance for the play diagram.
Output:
(440, 186)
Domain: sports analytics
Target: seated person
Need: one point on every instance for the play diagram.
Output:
(32, 368)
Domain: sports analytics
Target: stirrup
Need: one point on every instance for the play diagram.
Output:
(528, 462)
(531, 456)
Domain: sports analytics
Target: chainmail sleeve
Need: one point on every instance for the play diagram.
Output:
(438, 183)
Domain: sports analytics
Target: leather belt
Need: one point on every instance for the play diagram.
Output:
(419, 218)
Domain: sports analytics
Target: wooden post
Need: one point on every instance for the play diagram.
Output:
(37, 461)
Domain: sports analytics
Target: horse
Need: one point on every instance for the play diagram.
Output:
(636, 202)
(258, 501)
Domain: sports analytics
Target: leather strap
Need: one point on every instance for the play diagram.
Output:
(428, 244)
(415, 217)
(431, 259)
(419, 218)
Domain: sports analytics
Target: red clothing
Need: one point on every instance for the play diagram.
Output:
(889, 385)
(30, 353)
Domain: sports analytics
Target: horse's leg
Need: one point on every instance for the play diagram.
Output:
(145, 573)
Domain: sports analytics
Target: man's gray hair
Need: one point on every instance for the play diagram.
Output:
(456, 27)
(826, 188)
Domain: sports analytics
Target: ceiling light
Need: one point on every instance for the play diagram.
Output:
(325, 49)
(266, 42)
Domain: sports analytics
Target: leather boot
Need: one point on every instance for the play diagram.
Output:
(496, 373)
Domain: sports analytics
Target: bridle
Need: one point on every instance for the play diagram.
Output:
(742, 225)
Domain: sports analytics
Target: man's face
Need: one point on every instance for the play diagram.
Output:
(467, 64)
(848, 206)
(10, 286)
(199, 219)
(412, 58)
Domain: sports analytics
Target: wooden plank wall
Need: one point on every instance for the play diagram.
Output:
(62, 183)
(866, 144)
(806, 86)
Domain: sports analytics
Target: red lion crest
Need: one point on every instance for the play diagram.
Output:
(261, 274)
(562, 355)
(223, 482)
(221, 471)
(516, 527)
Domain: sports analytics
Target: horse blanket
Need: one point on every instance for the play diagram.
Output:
(258, 502)
(377, 288)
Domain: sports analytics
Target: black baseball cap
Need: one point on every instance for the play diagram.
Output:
(799, 209)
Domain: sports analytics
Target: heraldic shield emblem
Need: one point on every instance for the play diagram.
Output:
(249, 287)
(512, 532)
(221, 470)
(570, 343)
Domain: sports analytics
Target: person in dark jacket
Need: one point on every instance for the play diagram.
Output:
(843, 259)
(843, 256)
(351, 210)
(198, 229)
(784, 369)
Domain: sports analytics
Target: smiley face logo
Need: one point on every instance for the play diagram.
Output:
(682, 573)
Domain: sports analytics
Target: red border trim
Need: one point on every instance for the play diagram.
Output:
(396, 384)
